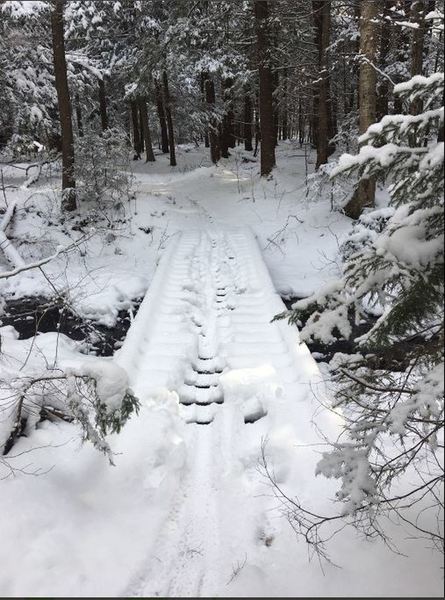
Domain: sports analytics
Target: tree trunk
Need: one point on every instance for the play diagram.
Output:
(417, 46)
(247, 123)
(257, 128)
(64, 104)
(385, 44)
(215, 151)
(162, 119)
(226, 132)
(149, 154)
(267, 127)
(364, 195)
(301, 132)
(202, 83)
(168, 114)
(79, 116)
(322, 21)
(231, 138)
(285, 116)
(141, 128)
(136, 131)
(276, 109)
(103, 105)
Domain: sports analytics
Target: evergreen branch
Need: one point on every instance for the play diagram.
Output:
(374, 388)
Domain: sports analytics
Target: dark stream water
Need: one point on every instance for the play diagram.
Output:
(37, 314)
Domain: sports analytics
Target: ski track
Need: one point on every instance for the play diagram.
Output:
(208, 311)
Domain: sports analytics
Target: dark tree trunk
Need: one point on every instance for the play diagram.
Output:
(162, 119)
(224, 137)
(276, 110)
(257, 129)
(231, 138)
(136, 131)
(323, 119)
(227, 138)
(385, 40)
(202, 82)
(247, 123)
(301, 132)
(285, 122)
(313, 131)
(215, 152)
(364, 195)
(64, 104)
(261, 9)
(79, 116)
(103, 105)
(168, 114)
(141, 128)
(418, 8)
(149, 154)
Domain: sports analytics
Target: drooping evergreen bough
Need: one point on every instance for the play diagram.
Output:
(390, 392)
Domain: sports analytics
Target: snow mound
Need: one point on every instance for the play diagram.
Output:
(111, 379)
(252, 389)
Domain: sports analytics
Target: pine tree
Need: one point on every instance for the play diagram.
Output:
(391, 390)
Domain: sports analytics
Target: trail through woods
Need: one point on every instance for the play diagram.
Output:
(214, 302)
(187, 511)
(173, 175)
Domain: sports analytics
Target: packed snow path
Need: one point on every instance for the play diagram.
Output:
(204, 331)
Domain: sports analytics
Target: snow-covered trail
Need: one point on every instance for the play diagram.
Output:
(204, 331)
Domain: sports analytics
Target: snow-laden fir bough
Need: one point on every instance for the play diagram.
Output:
(390, 392)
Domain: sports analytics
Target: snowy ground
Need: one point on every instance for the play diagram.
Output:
(187, 511)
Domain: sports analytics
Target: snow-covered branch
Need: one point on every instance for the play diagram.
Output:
(39, 263)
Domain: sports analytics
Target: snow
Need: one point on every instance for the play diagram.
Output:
(101, 282)
(111, 379)
(187, 510)
(5, 245)
(20, 8)
(385, 156)
(434, 158)
(403, 124)
(426, 401)
(418, 81)
(352, 465)
(407, 239)
(407, 24)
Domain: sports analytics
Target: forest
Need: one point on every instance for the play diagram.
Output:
(221, 298)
